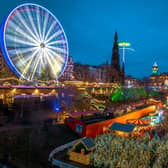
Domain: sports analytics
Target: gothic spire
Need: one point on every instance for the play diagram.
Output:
(115, 60)
(116, 37)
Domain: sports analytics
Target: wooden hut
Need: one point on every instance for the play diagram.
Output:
(122, 129)
(81, 151)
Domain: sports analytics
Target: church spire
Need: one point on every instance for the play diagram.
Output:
(115, 60)
(116, 37)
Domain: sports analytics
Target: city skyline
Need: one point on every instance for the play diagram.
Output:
(90, 28)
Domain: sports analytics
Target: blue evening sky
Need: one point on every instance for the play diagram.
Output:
(90, 27)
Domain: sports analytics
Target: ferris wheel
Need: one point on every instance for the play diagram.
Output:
(34, 44)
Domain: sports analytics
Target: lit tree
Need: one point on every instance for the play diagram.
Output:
(115, 151)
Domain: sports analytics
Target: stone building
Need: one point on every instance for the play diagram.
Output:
(158, 80)
(4, 69)
(68, 72)
(116, 72)
(81, 72)
(106, 73)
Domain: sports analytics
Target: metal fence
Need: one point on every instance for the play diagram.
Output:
(62, 164)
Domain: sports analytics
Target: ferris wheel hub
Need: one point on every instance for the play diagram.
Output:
(42, 45)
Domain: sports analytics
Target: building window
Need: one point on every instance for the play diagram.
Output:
(79, 128)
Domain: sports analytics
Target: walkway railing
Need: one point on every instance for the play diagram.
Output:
(59, 163)
(61, 148)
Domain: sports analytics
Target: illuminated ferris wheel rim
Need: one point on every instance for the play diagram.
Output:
(4, 47)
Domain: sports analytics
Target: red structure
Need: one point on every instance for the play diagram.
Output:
(155, 102)
(77, 126)
(94, 129)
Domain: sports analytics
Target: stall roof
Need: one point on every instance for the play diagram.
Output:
(88, 142)
(122, 127)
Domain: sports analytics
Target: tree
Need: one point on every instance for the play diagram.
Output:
(116, 151)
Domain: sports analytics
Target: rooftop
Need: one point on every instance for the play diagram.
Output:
(88, 142)
(122, 127)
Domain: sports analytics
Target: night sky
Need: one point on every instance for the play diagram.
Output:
(90, 27)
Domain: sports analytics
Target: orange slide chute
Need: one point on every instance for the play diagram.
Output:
(95, 129)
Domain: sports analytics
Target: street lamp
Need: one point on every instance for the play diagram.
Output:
(124, 46)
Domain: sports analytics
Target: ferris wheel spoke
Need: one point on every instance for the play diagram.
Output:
(56, 42)
(54, 35)
(29, 62)
(39, 64)
(34, 68)
(21, 51)
(54, 68)
(24, 24)
(32, 23)
(43, 61)
(20, 61)
(50, 30)
(45, 26)
(20, 31)
(20, 41)
(23, 60)
(25, 51)
(57, 65)
(39, 24)
(61, 59)
(57, 49)
(31, 68)
(54, 60)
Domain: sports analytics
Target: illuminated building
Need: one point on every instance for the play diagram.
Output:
(95, 73)
(108, 73)
(155, 68)
(131, 82)
(105, 70)
(90, 73)
(81, 72)
(160, 80)
(69, 70)
(4, 70)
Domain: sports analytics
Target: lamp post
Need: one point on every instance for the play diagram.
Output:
(124, 46)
